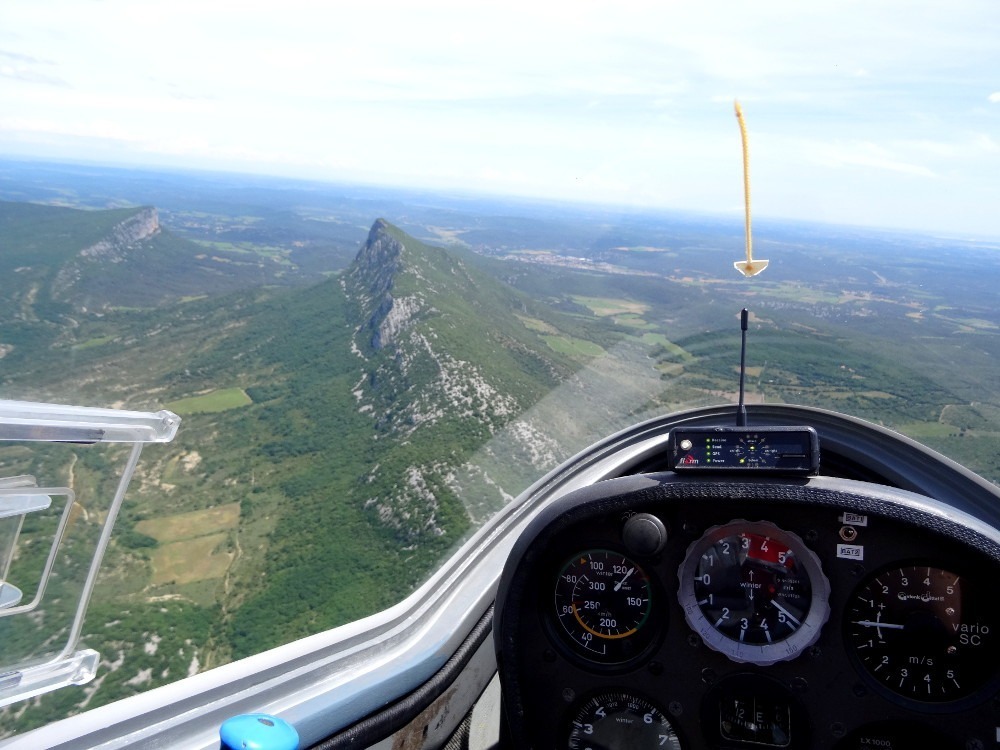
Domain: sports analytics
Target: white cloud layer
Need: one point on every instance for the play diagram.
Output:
(597, 100)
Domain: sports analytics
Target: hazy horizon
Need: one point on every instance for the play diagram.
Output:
(483, 198)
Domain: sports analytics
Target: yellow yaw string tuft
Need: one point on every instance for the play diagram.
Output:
(748, 267)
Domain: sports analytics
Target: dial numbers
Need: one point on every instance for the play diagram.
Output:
(752, 589)
(602, 601)
(754, 592)
(620, 721)
(919, 631)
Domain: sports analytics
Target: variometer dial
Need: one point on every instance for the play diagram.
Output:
(603, 599)
(921, 632)
(754, 592)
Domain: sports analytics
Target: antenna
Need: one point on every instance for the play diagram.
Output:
(772, 449)
(741, 409)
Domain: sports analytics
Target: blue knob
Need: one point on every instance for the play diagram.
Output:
(258, 732)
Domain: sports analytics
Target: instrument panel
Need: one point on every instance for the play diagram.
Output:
(673, 611)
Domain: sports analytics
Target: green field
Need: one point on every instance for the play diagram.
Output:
(191, 524)
(630, 320)
(924, 430)
(573, 346)
(98, 341)
(211, 403)
(677, 352)
(191, 560)
(192, 546)
(605, 306)
(539, 326)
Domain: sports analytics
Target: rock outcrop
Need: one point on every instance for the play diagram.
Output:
(440, 365)
(375, 270)
(124, 236)
(116, 246)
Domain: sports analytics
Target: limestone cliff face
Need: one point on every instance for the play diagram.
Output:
(374, 273)
(124, 236)
(421, 335)
(123, 239)
(415, 379)
(378, 259)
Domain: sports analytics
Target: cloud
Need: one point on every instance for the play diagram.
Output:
(27, 69)
(29, 76)
(866, 154)
(632, 98)
(97, 129)
(987, 144)
(18, 57)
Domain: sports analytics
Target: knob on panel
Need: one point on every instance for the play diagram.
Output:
(644, 534)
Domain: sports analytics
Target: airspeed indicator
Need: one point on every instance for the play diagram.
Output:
(603, 600)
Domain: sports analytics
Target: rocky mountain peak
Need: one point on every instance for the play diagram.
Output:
(373, 275)
(121, 242)
(140, 226)
(378, 260)
(444, 357)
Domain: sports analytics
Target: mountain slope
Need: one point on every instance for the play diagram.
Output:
(369, 394)
(63, 259)
(446, 361)
(58, 266)
(340, 480)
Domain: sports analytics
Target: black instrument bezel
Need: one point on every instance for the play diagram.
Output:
(680, 670)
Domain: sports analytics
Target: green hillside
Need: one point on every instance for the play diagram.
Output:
(48, 236)
(36, 244)
(359, 449)
(314, 477)
(340, 438)
(59, 266)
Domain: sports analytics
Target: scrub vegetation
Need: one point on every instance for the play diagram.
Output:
(323, 471)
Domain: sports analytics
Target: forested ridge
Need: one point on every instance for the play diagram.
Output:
(350, 416)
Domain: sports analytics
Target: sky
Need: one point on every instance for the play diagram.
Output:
(874, 113)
